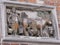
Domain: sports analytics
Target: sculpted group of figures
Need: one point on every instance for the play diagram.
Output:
(20, 24)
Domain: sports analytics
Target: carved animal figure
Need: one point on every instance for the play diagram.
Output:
(41, 24)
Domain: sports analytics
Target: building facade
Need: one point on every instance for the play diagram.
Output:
(45, 2)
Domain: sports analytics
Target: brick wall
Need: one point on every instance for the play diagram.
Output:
(48, 2)
(25, 43)
(30, 1)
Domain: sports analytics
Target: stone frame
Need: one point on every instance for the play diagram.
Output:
(3, 15)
